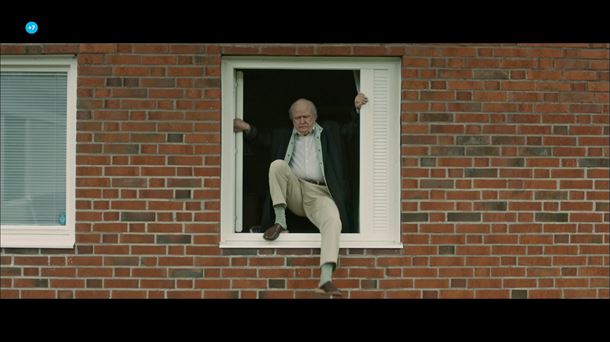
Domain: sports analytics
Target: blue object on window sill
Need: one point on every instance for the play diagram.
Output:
(62, 219)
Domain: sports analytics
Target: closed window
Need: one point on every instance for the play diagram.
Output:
(37, 127)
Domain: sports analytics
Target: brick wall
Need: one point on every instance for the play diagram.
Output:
(505, 167)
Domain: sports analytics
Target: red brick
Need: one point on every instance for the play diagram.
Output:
(128, 119)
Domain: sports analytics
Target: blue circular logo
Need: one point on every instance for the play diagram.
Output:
(31, 27)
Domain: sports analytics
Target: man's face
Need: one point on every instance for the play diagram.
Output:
(303, 119)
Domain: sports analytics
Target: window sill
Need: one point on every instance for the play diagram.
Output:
(35, 237)
(296, 240)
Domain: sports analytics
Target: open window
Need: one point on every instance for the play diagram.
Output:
(267, 95)
(260, 90)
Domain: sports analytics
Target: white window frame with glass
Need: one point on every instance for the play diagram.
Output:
(61, 233)
(379, 79)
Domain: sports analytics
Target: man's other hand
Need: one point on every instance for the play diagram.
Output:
(240, 125)
(360, 100)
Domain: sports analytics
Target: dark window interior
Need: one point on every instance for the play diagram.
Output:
(267, 96)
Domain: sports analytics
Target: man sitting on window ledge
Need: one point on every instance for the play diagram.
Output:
(307, 175)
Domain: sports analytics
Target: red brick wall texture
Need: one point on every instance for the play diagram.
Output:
(504, 179)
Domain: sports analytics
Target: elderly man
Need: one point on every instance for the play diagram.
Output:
(307, 176)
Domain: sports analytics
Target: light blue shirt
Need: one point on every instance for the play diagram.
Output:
(304, 154)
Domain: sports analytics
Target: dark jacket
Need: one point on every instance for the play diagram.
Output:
(335, 139)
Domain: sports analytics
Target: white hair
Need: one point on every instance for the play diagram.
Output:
(312, 107)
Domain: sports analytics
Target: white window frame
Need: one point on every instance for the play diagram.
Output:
(379, 195)
(58, 236)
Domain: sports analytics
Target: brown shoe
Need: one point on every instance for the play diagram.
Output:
(329, 288)
(273, 232)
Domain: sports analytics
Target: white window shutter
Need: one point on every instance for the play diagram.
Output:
(380, 154)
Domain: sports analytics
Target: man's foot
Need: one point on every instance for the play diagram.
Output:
(273, 232)
(329, 288)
